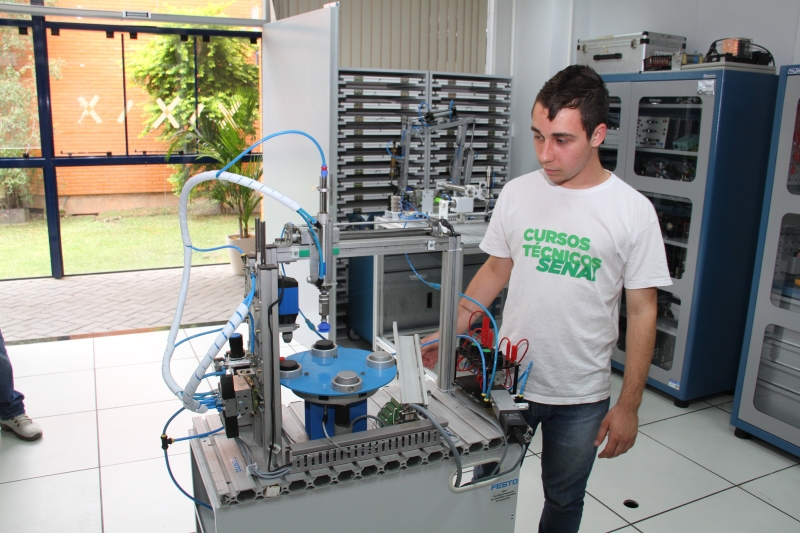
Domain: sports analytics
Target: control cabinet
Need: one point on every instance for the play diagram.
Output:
(768, 389)
(696, 144)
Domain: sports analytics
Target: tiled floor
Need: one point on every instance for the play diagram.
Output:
(102, 405)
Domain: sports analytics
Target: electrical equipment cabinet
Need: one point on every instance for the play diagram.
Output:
(767, 402)
(696, 144)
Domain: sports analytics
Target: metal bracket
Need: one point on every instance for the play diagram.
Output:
(411, 373)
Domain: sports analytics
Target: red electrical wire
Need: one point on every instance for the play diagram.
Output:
(527, 345)
(469, 324)
(500, 345)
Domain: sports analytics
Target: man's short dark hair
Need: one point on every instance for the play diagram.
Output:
(576, 87)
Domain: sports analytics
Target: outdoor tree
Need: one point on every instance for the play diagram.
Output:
(212, 88)
(220, 142)
(19, 117)
(165, 68)
(19, 124)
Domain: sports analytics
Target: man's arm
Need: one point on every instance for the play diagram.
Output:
(621, 423)
(484, 287)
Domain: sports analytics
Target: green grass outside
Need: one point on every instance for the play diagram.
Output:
(112, 242)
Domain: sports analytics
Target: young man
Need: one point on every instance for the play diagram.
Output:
(567, 239)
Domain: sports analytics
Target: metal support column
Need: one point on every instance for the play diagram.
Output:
(42, 70)
(452, 270)
(269, 356)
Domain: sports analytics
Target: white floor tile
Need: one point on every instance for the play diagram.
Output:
(654, 476)
(655, 404)
(781, 489)
(51, 357)
(119, 350)
(141, 497)
(718, 399)
(57, 394)
(69, 443)
(731, 511)
(530, 501)
(287, 350)
(132, 433)
(121, 386)
(660, 406)
(727, 407)
(287, 396)
(67, 503)
(706, 437)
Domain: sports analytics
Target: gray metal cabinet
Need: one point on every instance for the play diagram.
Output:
(680, 136)
(768, 391)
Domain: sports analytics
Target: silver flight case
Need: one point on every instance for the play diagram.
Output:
(627, 52)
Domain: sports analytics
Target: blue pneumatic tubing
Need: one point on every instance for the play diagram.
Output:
(166, 460)
(311, 221)
(217, 248)
(270, 136)
(197, 335)
(252, 327)
(496, 335)
(524, 379)
(483, 359)
(437, 287)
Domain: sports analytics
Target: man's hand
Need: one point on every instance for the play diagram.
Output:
(430, 353)
(621, 424)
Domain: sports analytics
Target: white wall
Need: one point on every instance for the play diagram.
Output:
(545, 40)
(499, 37)
(542, 39)
(771, 23)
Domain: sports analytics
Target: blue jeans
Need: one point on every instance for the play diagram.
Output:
(568, 452)
(10, 400)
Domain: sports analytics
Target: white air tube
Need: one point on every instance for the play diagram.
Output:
(187, 396)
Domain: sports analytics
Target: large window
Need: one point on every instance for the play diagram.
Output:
(19, 117)
(126, 218)
(121, 99)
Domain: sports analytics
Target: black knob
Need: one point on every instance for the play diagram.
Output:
(237, 346)
(287, 365)
(324, 345)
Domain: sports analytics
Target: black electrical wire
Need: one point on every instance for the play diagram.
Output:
(712, 50)
(271, 376)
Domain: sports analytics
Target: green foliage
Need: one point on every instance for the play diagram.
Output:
(19, 117)
(165, 68)
(222, 141)
(19, 127)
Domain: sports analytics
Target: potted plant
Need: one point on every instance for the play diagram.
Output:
(220, 142)
(15, 187)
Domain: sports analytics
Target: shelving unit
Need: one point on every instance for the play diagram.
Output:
(696, 144)
(371, 106)
(767, 400)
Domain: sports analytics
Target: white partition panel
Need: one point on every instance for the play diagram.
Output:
(300, 70)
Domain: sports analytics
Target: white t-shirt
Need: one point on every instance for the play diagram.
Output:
(573, 251)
